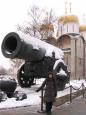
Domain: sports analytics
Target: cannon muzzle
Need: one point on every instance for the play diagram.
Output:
(14, 46)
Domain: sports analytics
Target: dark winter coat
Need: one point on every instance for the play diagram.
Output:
(50, 89)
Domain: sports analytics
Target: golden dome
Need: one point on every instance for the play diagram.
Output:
(68, 18)
(47, 27)
(71, 18)
(82, 28)
(61, 19)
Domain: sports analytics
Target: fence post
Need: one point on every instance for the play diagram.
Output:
(41, 111)
(42, 99)
(70, 93)
(83, 90)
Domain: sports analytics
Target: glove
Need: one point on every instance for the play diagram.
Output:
(37, 90)
(55, 94)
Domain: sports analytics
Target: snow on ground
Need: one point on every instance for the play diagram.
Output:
(33, 98)
(75, 83)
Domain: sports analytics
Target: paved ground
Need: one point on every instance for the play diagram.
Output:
(77, 107)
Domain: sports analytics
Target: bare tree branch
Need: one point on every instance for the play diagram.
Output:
(41, 23)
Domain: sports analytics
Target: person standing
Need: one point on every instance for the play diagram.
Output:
(50, 91)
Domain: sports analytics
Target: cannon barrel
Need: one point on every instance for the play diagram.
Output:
(13, 46)
(21, 46)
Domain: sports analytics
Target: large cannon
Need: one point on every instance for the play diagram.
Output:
(39, 56)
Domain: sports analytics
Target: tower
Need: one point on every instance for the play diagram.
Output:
(68, 23)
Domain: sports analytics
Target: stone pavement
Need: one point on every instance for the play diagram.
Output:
(77, 107)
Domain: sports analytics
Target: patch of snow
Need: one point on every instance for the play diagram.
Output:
(57, 62)
(11, 102)
(62, 72)
(33, 98)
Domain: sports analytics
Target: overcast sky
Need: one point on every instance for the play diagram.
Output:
(13, 12)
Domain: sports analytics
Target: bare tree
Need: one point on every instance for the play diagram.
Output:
(16, 62)
(3, 71)
(40, 24)
(47, 27)
(33, 26)
(50, 17)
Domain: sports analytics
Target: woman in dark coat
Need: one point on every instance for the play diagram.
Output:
(50, 91)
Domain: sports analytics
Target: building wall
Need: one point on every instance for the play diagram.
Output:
(67, 56)
(73, 55)
(72, 59)
(60, 28)
(77, 58)
(63, 43)
(80, 58)
(83, 33)
(71, 28)
(51, 40)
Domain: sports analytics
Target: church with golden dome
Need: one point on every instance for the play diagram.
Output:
(71, 38)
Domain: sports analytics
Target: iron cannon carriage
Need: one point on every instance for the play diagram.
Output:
(39, 56)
